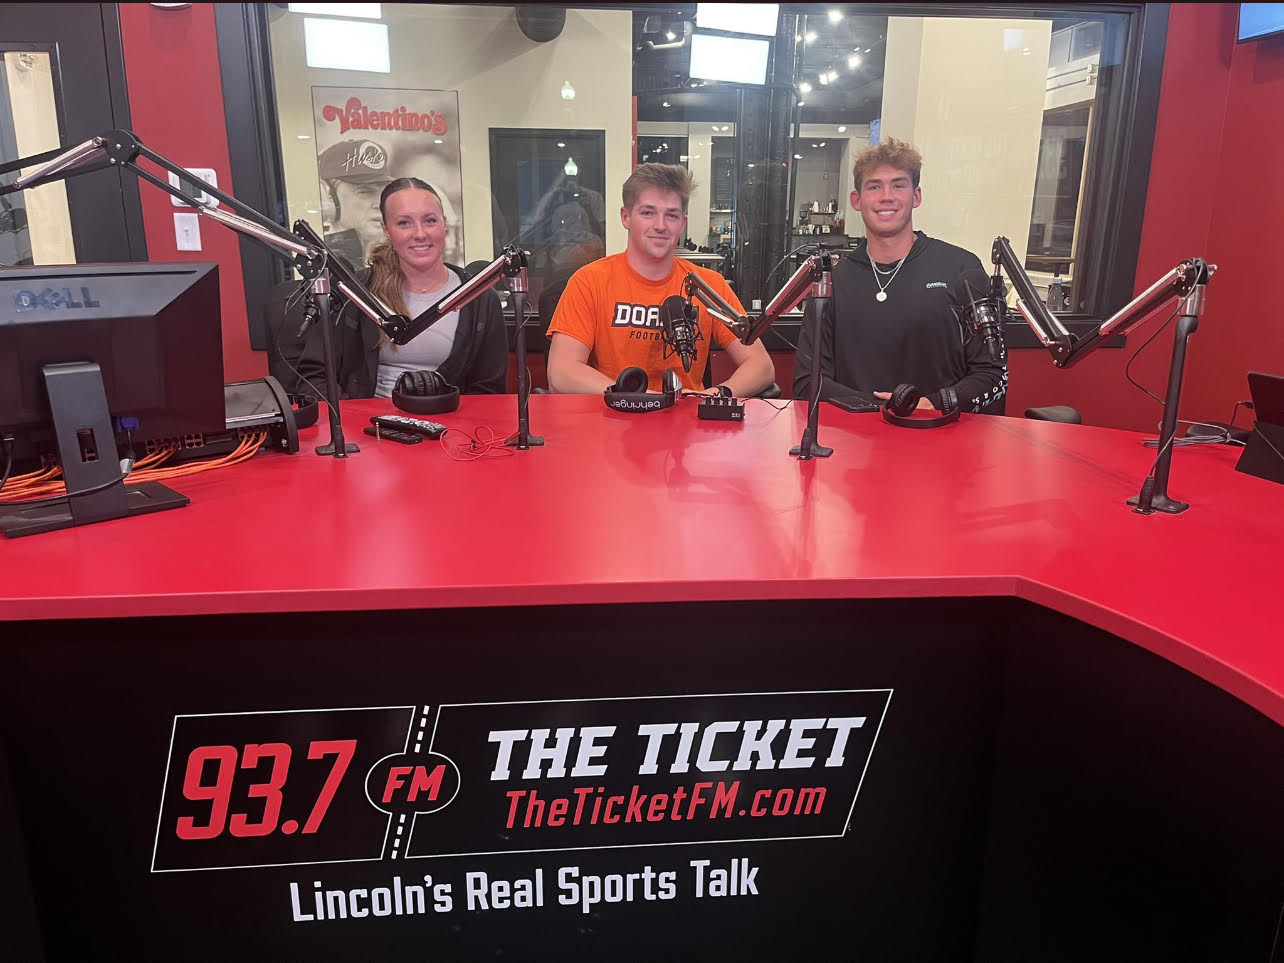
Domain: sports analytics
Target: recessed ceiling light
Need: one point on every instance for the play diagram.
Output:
(835, 16)
(560, 144)
(798, 157)
(303, 136)
(805, 87)
(853, 61)
(670, 35)
(726, 127)
(664, 103)
(810, 36)
(801, 103)
(822, 143)
(842, 129)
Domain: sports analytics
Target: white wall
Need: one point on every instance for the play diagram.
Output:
(35, 121)
(503, 79)
(969, 94)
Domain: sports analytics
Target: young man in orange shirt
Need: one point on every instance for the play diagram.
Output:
(608, 319)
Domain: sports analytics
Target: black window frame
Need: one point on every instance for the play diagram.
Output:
(1114, 221)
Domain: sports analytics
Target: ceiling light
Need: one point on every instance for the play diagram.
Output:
(805, 87)
(798, 157)
(822, 143)
(801, 103)
(560, 144)
(853, 61)
(665, 103)
(303, 136)
(571, 167)
(810, 36)
(568, 92)
(726, 127)
(438, 140)
(833, 75)
(868, 49)
(823, 78)
(842, 129)
(835, 16)
(751, 165)
(797, 37)
(670, 35)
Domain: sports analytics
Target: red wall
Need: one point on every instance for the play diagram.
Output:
(176, 108)
(1214, 192)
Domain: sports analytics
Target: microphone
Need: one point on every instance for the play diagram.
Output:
(981, 308)
(310, 314)
(681, 328)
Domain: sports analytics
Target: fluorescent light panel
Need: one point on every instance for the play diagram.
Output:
(347, 45)
(733, 59)
(759, 18)
(364, 11)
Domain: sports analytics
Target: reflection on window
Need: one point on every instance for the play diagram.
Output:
(1019, 120)
(35, 224)
(549, 188)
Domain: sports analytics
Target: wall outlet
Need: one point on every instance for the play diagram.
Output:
(205, 174)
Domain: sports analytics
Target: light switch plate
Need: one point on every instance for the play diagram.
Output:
(205, 174)
(187, 231)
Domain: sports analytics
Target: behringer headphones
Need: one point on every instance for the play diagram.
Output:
(629, 391)
(900, 408)
(425, 393)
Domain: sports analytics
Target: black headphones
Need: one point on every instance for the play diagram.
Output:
(629, 391)
(305, 410)
(425, 393)
(905, 398)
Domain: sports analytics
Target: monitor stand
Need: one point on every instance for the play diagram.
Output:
(87, 448)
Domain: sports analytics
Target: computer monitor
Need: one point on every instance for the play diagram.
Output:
(89, 350)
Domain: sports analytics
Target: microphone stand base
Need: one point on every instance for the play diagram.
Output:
(348, 449)
(1160, 503)
(522, 444)
(804, 452)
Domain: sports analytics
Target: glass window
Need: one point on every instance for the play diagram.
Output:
(1022, 121)
(35, 224)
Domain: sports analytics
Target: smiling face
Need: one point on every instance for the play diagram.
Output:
(416, 226)
(655, 224)
(886, 198)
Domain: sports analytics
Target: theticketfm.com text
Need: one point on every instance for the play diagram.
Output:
(593, 805)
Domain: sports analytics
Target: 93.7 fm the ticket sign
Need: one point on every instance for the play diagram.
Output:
(402, 782)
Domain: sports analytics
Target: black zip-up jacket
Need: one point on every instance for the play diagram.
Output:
(477, 363)
(915, 337)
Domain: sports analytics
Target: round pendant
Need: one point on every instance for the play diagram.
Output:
(880, 296)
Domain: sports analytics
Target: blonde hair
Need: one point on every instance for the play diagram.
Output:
(667, 177)
(893, 153)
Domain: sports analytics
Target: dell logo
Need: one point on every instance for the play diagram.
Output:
(52, 300)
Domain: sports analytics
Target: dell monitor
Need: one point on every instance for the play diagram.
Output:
(89, 352)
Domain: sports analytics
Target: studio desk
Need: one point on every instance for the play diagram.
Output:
(655, 689)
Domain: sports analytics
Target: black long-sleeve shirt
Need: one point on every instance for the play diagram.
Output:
(915, 337)
(477, 363)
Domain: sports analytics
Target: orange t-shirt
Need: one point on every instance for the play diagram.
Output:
(616, 312)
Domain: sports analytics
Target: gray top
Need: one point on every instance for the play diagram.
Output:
(427, 351)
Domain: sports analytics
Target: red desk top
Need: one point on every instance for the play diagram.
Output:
(664, 507)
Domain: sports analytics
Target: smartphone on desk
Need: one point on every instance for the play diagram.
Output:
(855, 403)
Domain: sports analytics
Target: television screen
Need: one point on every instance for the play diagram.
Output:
(1260, 19)
(736, 60)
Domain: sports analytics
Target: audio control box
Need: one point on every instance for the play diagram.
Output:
(721, 409)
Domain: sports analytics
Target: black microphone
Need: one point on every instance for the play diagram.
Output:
(981, 308)
(310, 314)
(681, 328)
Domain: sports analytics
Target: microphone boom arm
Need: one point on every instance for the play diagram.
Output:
(814, 278)
(1067, 350)
(510, 264)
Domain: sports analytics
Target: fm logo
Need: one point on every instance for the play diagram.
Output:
(409, 783)
(52, 300)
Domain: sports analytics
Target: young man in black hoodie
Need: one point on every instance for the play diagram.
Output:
(893, 320)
